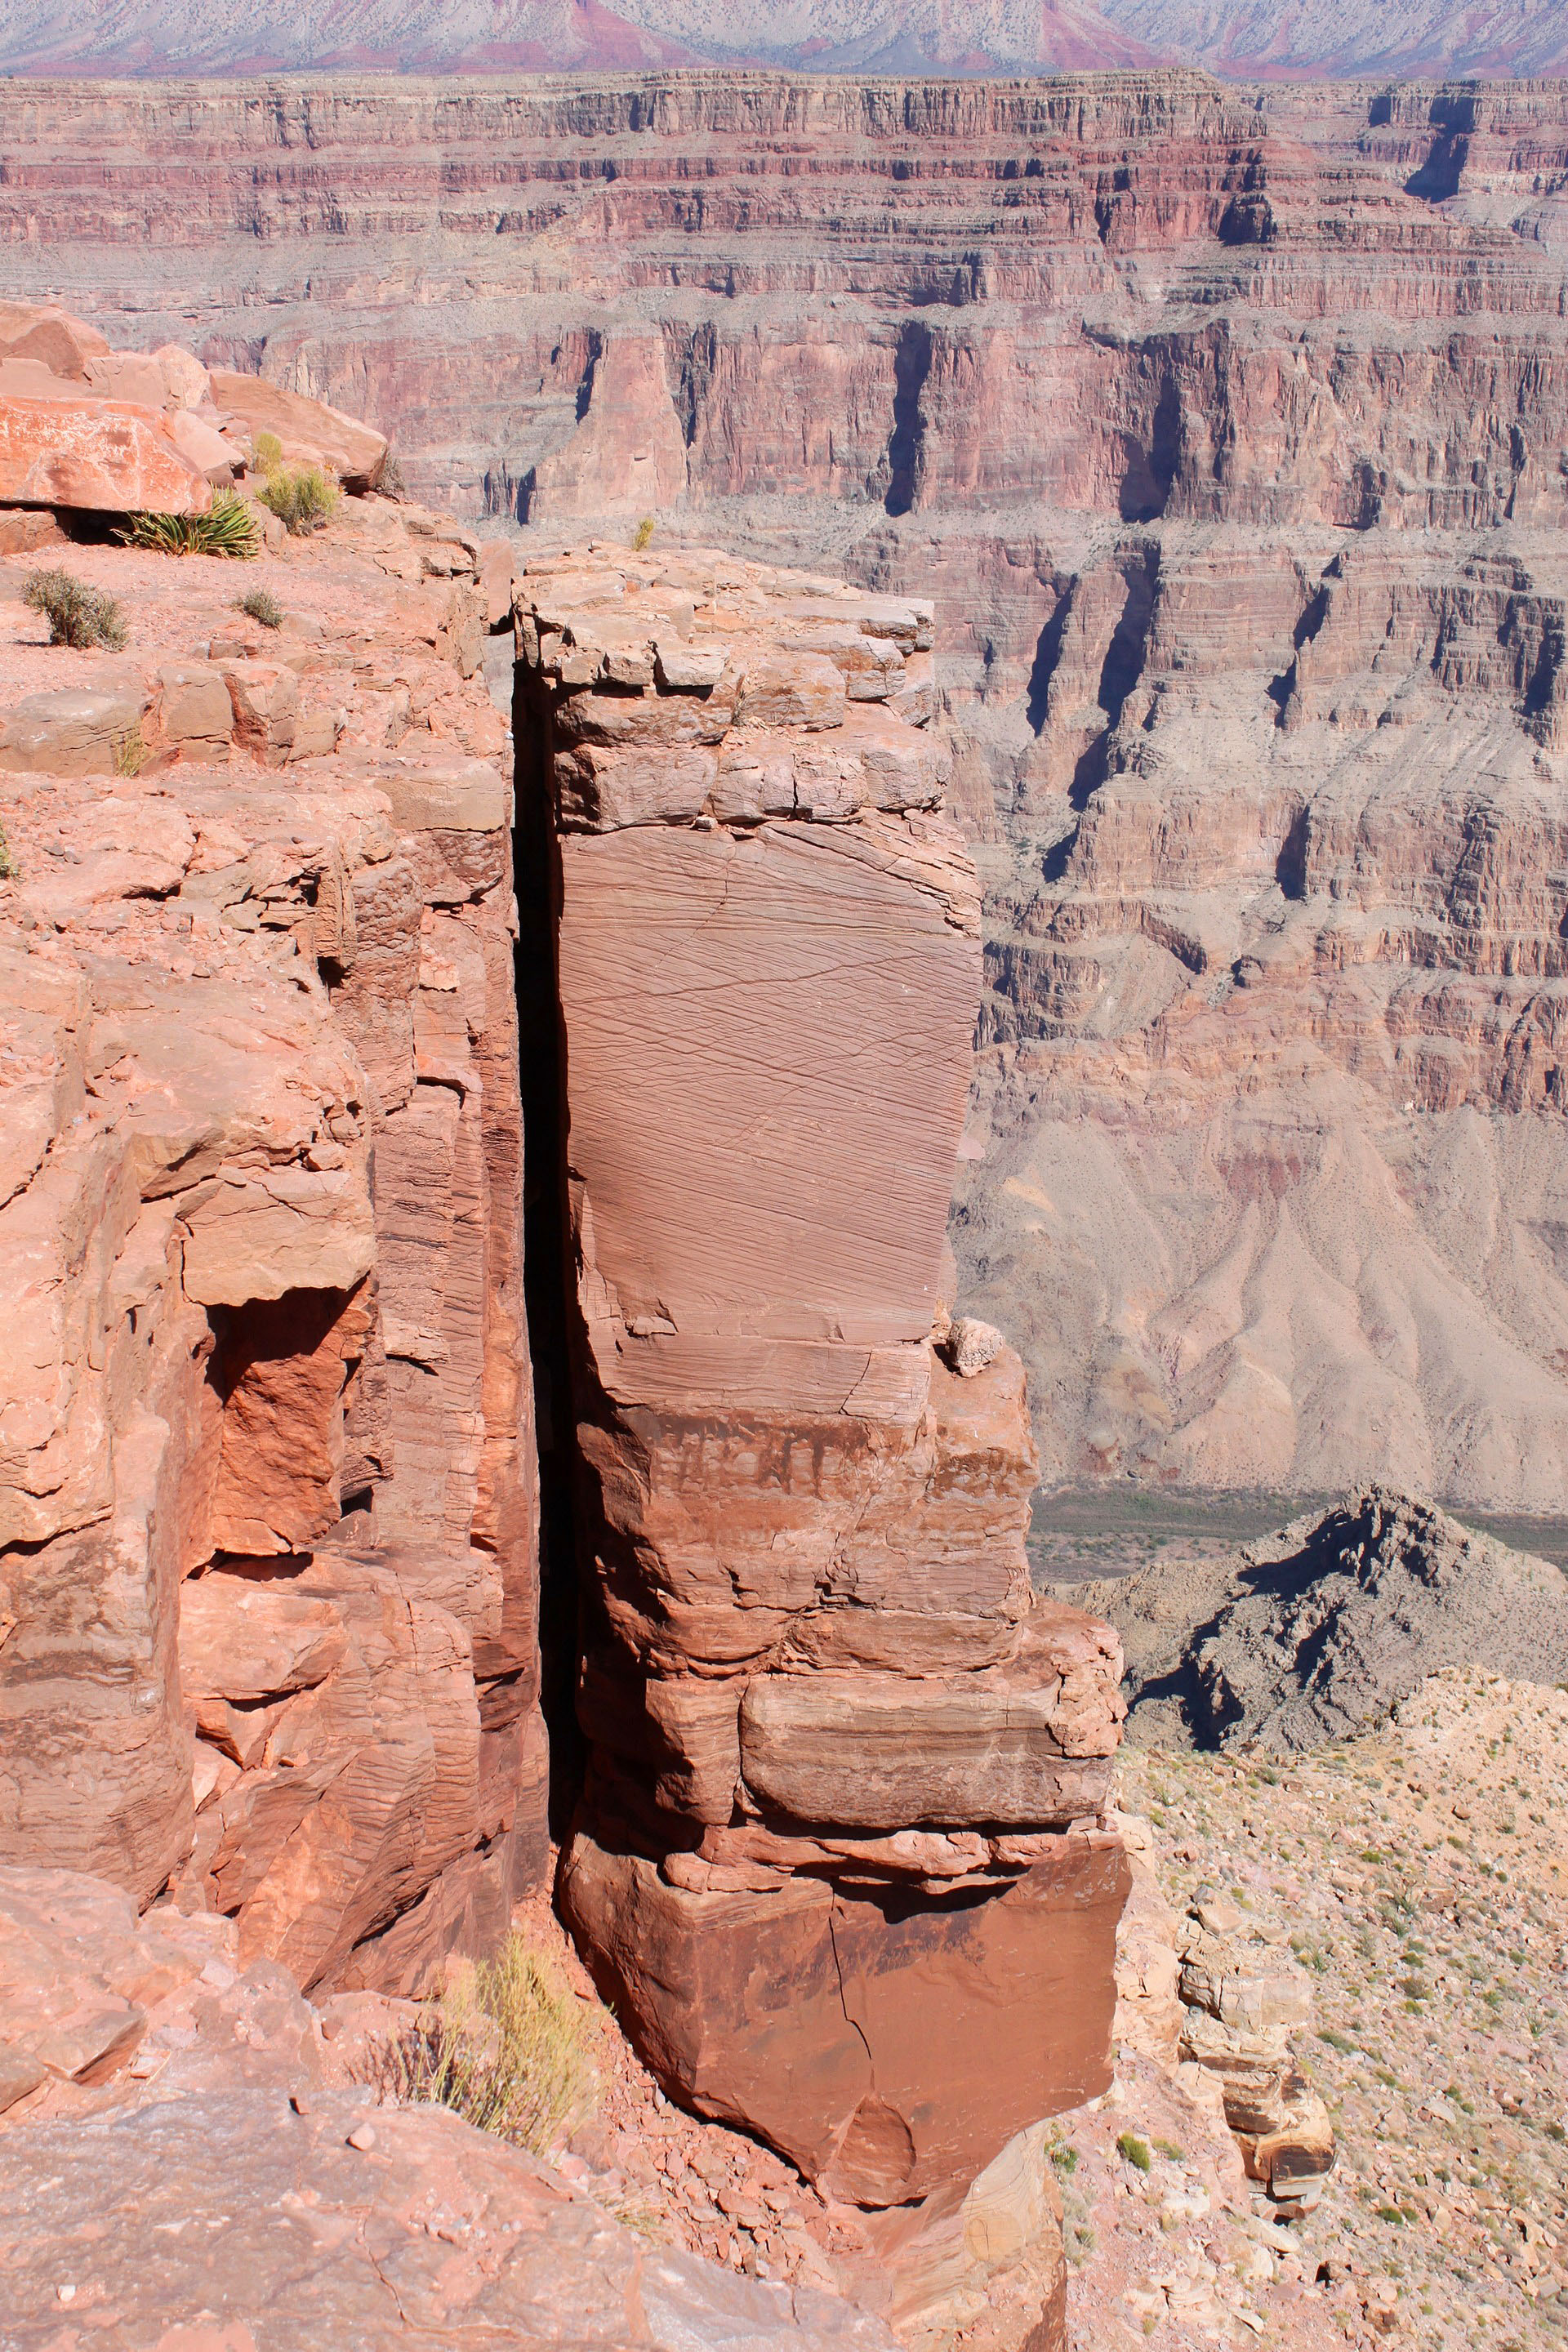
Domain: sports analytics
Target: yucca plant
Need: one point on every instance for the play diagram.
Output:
(303, 500)
(227, 528)
(508, 2047)
(76, 614)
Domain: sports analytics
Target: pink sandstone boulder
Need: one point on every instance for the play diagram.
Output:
(354, 451)
(43, 332)
(108, 455)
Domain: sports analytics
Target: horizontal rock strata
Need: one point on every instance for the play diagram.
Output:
(841, 1857)
(267, 1481)
(1225, 432)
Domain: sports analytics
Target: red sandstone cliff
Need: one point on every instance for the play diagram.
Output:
(840, 1855)
(268, 1542)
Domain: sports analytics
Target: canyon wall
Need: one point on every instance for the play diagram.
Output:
(1227, 430)
(840, 1859)
(269, 1487)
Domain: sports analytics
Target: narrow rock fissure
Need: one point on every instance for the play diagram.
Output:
(542, 1060)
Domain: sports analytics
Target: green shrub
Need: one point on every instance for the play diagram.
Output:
(227, 528)
(130, 753)
(1064, 2156)
(78, 615)
(643, 533)
(268, 453)
(1136, 2150)
(510, 2048)
(303, 500)
(9, 869)
(261, 604)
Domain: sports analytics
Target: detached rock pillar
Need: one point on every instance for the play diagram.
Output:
(840, 1862)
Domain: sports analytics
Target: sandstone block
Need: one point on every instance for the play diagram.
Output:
(43, 332)
(265, 697)
(875, 1751)
(187, 383)
(683, 669)
(205, 447)
(464, 796)
(494, 571)
(23, 533)
(75, 732)
(600, 790)
(257, 1235)
(127, 375)
(715, 940)
(247, 1639)
(196, 2203)
(829, 2021)
(355, 451)
(195, 707)
(781, 688)
(99, 453)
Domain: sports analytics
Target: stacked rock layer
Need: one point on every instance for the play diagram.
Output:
(841, 1857)
(267, 1478)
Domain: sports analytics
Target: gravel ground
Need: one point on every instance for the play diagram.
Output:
(1424, 1872)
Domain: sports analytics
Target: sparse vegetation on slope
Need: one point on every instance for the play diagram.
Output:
(76, 614)
(303, 498)
(510, 2048)
(228, 528)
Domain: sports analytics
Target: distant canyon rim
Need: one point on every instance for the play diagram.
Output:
(1228, 427)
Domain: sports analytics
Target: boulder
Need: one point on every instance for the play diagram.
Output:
(43, 332)
(109, 456)
(308, 429)
(75, 731)
(888, 2045)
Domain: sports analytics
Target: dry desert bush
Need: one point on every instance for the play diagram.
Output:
(508, 2047)
(76, 614)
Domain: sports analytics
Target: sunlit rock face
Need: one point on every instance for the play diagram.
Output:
(839, 1858)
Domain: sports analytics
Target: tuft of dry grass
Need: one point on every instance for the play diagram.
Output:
(303, 501)
(508, 2047)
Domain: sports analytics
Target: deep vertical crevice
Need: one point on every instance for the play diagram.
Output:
(546, 1243)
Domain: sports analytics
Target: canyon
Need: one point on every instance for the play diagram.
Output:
(324, 987)
(1223, 430)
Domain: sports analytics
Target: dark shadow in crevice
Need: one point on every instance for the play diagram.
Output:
(546, 1243)
(1048, 654)
(911, 365)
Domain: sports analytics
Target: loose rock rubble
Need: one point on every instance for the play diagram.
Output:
(1421, 1875)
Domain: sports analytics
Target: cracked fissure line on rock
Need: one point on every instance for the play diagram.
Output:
(843, 1999)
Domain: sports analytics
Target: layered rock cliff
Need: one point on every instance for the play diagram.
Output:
(840, 1856)
(1262, 39)
(1226, 433)
(268, 1542)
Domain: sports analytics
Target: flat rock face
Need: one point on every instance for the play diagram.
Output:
(1316, 1635)
(1243, 531)
(842, 1817)
(267, 1481)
